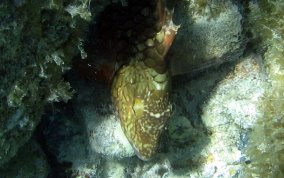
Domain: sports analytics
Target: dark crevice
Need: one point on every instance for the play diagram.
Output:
(57, 169)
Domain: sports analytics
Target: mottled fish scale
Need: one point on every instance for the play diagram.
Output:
(141, 87)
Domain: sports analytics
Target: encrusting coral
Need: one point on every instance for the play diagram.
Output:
(211, 34)
(208, 132)
(266, 145)
(37, 43)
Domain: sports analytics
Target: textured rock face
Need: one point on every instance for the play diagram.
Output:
(30, 162)
(210, 34)
(266, 144)
(216, 108)
(104, 133)
(87, 135)
(37, 43)
(226, 123)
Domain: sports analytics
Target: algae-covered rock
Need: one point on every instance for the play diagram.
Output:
(266, 144)
(205, 137)
(207, 110)
(37, 42)
(101, 124)
(210, 33)
(227, 122)
(87, 134)
(219, 108)
(67, 141)
(29, 163)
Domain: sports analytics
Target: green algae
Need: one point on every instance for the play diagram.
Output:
(266, 146)
(210, 8)
(30, 162)
(37, 43)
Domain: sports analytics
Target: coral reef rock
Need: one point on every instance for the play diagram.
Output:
(211, 33)
(266, 143)
(32, 63)
(207, 134)
(30, 162)
(90, 133)
(37, 42)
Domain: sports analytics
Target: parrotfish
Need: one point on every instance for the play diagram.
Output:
(137, 38)
(141, 88)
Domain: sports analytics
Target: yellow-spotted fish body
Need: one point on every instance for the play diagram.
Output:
(141, 87)
(141, 97)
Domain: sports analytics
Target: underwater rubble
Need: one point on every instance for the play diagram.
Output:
(227, 93)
